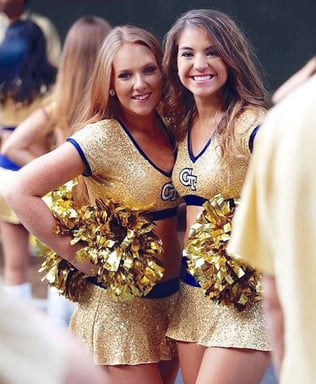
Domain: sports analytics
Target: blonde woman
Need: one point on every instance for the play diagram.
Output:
(124, 152)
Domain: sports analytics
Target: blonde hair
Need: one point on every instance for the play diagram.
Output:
(98, 104)
(80, 50)
(243, 88)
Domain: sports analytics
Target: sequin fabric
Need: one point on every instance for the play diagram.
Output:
(205, 174)
(130, 333)
(12, 113)
(121, 171)
(198, 319)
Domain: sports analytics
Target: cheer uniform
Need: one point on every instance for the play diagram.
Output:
(11, 116)
(198, 178)
(130, 332)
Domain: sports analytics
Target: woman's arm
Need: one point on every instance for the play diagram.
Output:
(275, 323)
(295, 80)
(23, 191)
(30, 138)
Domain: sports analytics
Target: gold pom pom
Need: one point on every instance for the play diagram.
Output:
(118, 241)
(224, 279)
(64, 277)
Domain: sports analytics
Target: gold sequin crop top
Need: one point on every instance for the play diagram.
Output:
(12, 113)
(118, 169)
(199, 177)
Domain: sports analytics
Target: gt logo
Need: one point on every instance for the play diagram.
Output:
(188, 179)
(168, 192)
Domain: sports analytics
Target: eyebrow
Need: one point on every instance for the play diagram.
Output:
(148, 64)
(186, 48)
(192, 49)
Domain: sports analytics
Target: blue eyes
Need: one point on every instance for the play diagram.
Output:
(146, 71)
(150, 69)
(123, 75)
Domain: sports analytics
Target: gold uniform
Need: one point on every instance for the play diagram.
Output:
(131, 332)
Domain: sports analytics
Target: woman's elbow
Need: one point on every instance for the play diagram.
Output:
(8, 150)
(9, 188)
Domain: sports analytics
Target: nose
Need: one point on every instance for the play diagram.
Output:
(200, 62)
(139, 81)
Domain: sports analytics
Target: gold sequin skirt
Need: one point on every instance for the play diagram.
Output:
(131, 332)
(199, 320)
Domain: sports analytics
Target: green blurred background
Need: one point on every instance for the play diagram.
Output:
(283, 32)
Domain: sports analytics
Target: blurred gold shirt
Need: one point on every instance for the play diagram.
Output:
(274, 227)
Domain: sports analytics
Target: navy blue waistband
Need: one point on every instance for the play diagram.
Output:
(160, 290)
(194, 200)
(10, 129)
(185, 276)
(163, 214)
(164, 289)
(6, 163)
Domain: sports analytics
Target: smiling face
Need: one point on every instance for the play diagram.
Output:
(136, 79)
(200, 69)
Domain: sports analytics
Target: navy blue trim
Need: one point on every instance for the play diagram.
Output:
(10, 129)
(169, 173)
(163, 213)
(185, 276)
(6, 163)
(164, 289)
(88, 171)
(190, 151)
(94, 280)
(160, 290)
(194, 200)
(252, 138)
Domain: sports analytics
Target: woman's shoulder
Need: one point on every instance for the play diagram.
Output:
(247, 126)
(100, 125)
(251, 117)
(93, 131)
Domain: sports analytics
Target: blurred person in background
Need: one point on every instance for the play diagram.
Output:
(26, 79)
(33, 350)
(52, 122)
(11, 10)
(299, 77)
(274, 229)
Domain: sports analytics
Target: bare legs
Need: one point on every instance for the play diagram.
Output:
(190, 356)
(161, 373)
(202, 365)
(16, 255)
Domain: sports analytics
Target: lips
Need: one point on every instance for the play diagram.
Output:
(142, 97)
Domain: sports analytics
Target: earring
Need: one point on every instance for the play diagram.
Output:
(112, 92)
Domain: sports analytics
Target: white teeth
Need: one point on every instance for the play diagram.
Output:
(141, 97)
(201, 78)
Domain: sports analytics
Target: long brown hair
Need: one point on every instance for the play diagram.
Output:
(80, 50)
(244, 86)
